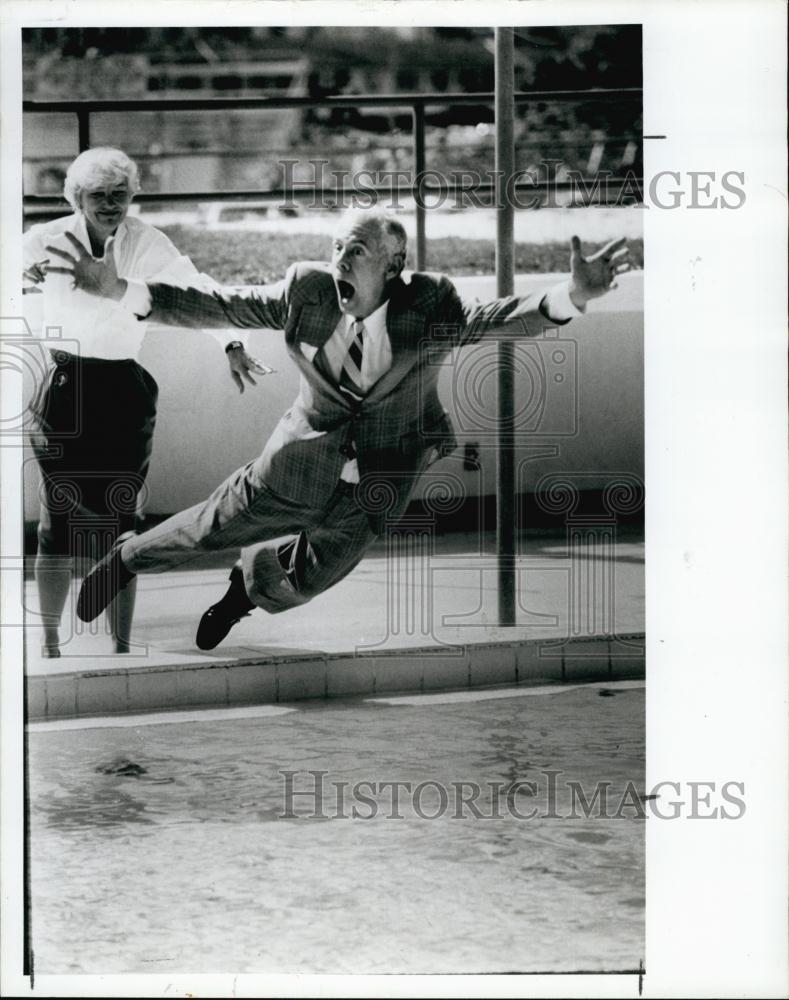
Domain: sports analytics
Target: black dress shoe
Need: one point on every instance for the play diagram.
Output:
(222, 616)
(104, 582)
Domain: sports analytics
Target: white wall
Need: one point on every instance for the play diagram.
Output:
(206, 429)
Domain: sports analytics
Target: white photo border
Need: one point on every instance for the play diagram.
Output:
(716, 476)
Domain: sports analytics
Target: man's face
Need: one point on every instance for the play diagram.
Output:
(361, 267)
(104, 207)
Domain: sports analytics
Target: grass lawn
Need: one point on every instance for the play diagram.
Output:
(248, 258)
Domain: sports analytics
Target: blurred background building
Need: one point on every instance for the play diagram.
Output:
(205, 150)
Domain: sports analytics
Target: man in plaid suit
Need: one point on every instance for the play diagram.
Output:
(343, 461)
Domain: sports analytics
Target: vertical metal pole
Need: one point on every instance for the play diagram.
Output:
(83, 129)
(505, 465)
(419, 169)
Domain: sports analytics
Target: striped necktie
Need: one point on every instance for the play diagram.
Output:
(351, 373)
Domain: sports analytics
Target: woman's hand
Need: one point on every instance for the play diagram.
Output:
(35, 274)
(91, 274)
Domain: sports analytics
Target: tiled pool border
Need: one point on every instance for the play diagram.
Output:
(273, 679)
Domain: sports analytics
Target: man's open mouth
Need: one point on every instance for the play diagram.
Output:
(345, 290)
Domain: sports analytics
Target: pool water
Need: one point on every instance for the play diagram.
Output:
(162, 845)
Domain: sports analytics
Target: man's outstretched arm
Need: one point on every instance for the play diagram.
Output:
(528, 315)
(257, 308)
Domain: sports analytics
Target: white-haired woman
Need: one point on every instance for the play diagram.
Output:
(94, 415)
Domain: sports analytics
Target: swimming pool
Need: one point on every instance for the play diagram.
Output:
(179, 843)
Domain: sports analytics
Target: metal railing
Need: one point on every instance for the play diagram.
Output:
(417, 104)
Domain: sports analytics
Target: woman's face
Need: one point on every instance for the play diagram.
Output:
(105, 206)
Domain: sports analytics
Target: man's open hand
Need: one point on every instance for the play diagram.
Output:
(591, 277)
(90, 274)
(242, 364)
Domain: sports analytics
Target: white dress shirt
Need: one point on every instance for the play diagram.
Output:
(91, 326)
(376, 353)
(376, 360)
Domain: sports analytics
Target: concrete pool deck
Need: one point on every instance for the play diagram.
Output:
(394, 625)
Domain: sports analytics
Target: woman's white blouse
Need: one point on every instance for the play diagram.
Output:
(91, 326)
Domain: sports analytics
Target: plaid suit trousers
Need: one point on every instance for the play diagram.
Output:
(243, 512)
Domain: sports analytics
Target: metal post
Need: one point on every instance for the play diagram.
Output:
(419, 169)
(505, 465)
(83, 129)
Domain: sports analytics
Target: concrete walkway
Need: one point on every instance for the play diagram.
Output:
(402, 621)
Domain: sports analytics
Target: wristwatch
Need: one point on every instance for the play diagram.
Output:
(233, 345)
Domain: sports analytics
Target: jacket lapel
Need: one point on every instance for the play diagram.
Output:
(318, 318)
(405, 327)
(317, 321)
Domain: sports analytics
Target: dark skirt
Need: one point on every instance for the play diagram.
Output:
(92, 432)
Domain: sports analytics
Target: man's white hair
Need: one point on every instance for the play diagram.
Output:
(390, 229)
(97, 167)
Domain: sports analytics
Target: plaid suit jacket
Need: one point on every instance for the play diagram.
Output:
(400, 426)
